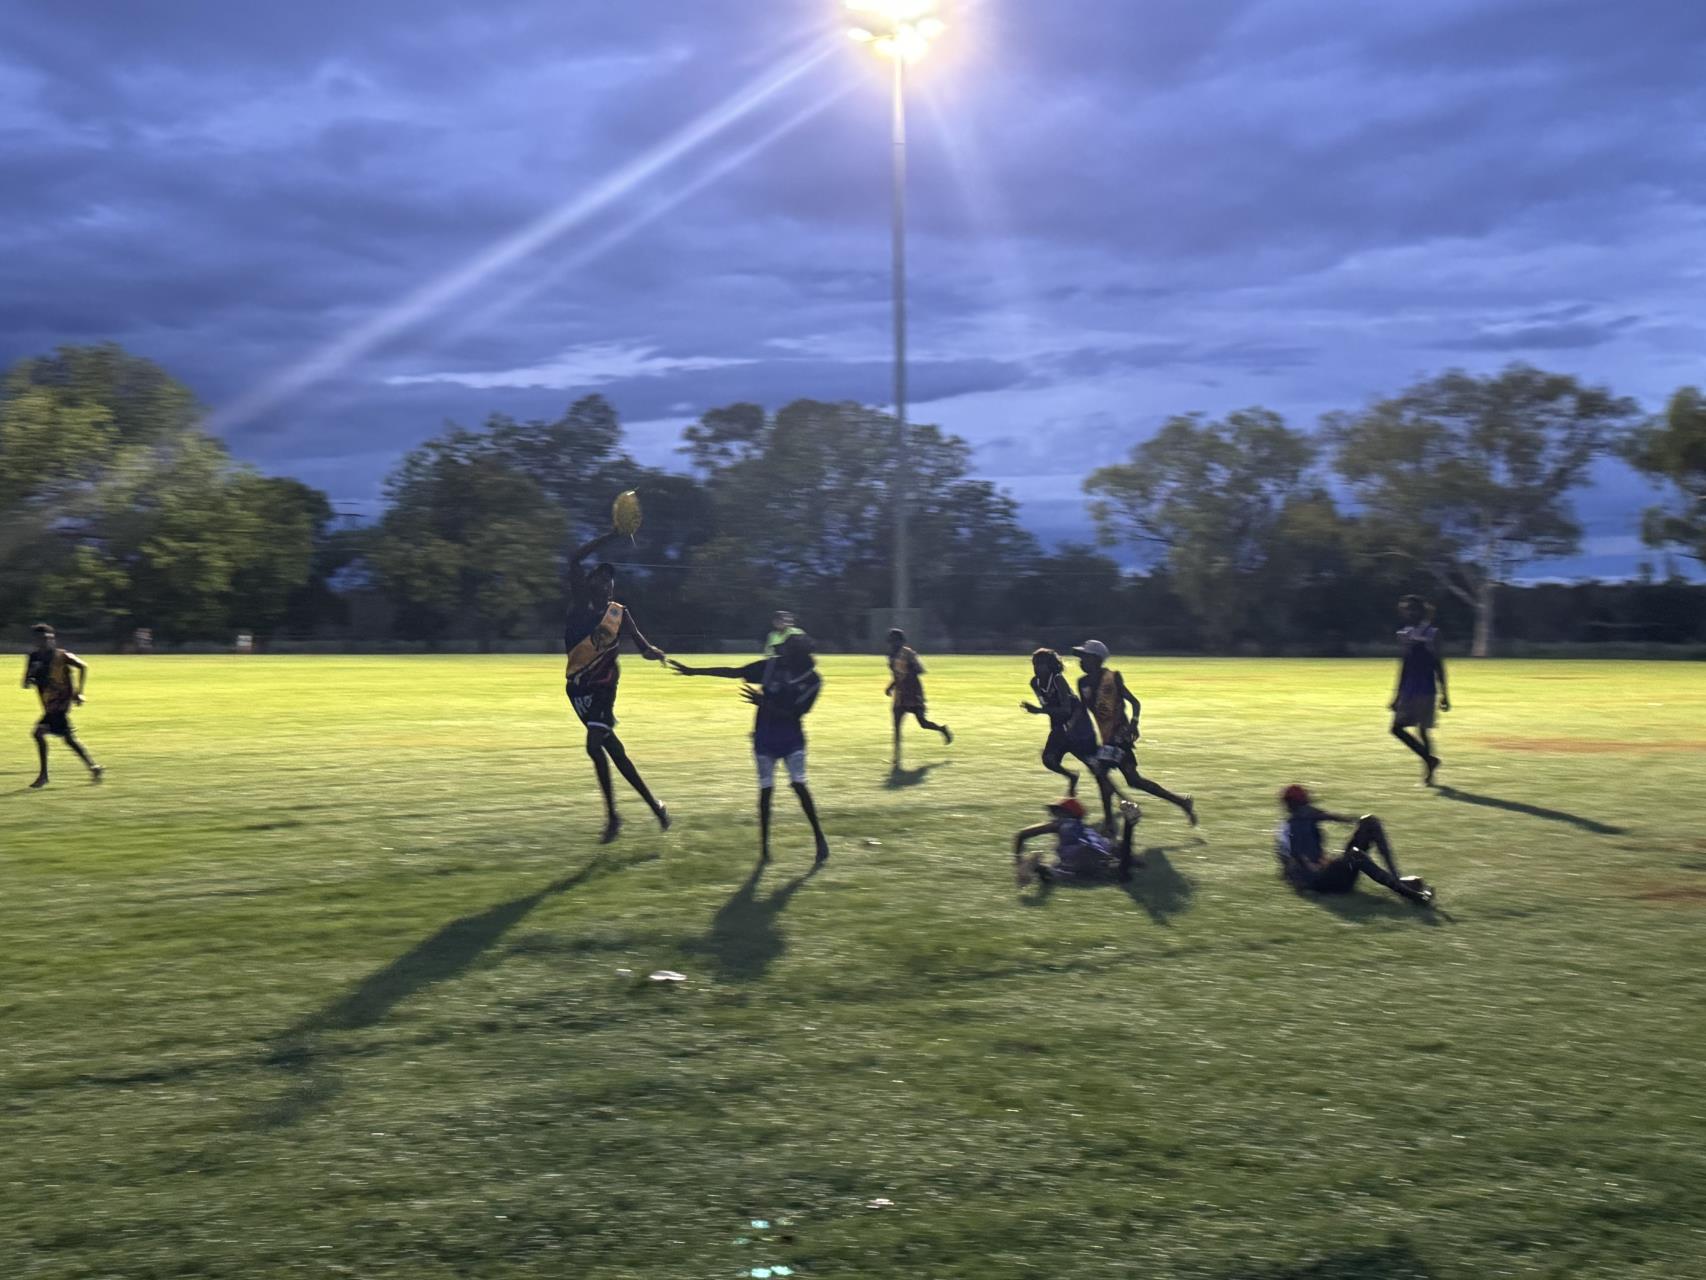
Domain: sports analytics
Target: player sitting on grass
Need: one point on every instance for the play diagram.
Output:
(1080, 851)
(787, 686)
(48, 671)
(1305, 863)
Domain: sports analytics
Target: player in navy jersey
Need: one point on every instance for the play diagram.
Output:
(592, 636)
(1306, 864)
(1421, 683)
(1080, 851)
(1070, 731)
(783, 688)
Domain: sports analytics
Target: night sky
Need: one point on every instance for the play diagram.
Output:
(345, 223)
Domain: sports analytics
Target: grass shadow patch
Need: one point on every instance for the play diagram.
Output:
(1160, 888)
(900, 779)
(745, 937)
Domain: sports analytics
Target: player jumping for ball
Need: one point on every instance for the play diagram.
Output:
(1081, 852)
(1421, 682)
(1103, 692)
(906, 690)
(48, 671)
(783, 688)
(592, 637)
(1305, 863)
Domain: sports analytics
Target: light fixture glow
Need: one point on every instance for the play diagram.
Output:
(905, 28)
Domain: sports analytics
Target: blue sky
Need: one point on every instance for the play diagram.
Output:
(344, 224)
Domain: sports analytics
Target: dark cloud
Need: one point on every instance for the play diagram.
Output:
(1119, 212)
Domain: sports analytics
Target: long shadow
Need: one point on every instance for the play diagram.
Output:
(744, 939)
(1532, 811)
(1397, 1260)
(1159, 887)
(900, 779)
(447, 954)
(1370, 902)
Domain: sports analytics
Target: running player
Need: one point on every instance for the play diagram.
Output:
(1305, 863)
(1080, 852)
(1103, 692)
(787, 686)
(592, 636)
(48, 671)
(1069, 730)
(906, 690)
(782, 626)
(1421, 682)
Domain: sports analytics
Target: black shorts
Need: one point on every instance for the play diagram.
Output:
(595, 706)
(1337, 875)
(1059, 746)
(57, 723)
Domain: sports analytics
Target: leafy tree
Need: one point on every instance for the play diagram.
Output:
(1213, 501)
(468, 540)
(1469, 477)
(1674, 451)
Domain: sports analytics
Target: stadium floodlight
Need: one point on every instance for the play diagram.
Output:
(901, 31)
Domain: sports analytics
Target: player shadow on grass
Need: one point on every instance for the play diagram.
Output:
(1531, 811)
(446, 954)
(898, 779)
(744, 940)
(1157, 886)
(1363, 905)
(1396, 1260)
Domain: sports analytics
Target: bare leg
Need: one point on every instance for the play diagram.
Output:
(1054, 762)
(41, 753)
(765, 796)
(1371, 832)
(810, 810)
(595, 740)
(619, 755)
(947, 733)
(1133, 815)
(899, 715)
(1135, 779)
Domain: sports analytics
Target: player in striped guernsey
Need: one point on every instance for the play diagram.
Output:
(592, 636)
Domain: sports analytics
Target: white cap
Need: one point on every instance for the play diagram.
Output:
(1091, 649)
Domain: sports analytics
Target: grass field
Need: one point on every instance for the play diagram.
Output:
(331, 979)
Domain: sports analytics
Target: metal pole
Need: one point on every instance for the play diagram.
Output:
(903, 459)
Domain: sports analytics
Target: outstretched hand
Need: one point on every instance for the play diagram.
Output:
(680, 668)
(752, 695)
(655, 654)
(1025, 706)
(1444, 703)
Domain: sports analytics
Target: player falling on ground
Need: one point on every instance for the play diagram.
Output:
(783, 688)
(1306, 864)
(592, 637)
(1081, 852)
(48, 671)
(1070, 732)
(1421, 683)
(1103, 692)
(906, 690)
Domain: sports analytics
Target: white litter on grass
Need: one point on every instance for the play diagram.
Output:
(879, 1203)
(668, 975)
(873, 844)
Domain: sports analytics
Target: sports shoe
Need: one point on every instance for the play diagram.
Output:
(663, 816)
(1416, 887)
(1131, 810)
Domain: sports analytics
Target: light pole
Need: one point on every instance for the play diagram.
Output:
(901, 31)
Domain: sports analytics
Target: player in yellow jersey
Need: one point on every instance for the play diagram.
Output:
(1103, 692)
(906, 691)
(592, 635)
(48, 672)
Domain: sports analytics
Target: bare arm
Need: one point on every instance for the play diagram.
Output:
(647, 649)
(727, 673)
(27, 680)
(82, 669)
(1439, 670)
(592, 548)
(1031, 833)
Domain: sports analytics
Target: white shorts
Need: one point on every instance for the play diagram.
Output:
(767, 768)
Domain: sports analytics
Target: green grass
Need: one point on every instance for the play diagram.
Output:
(331, 979)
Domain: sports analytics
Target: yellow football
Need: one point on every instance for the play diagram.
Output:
(625, 513)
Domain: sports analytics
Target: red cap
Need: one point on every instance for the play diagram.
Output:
(1069, 806)
(1294, 796)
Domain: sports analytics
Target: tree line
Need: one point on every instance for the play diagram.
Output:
(118, 512)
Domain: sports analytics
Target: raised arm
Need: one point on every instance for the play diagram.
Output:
(592, 548)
